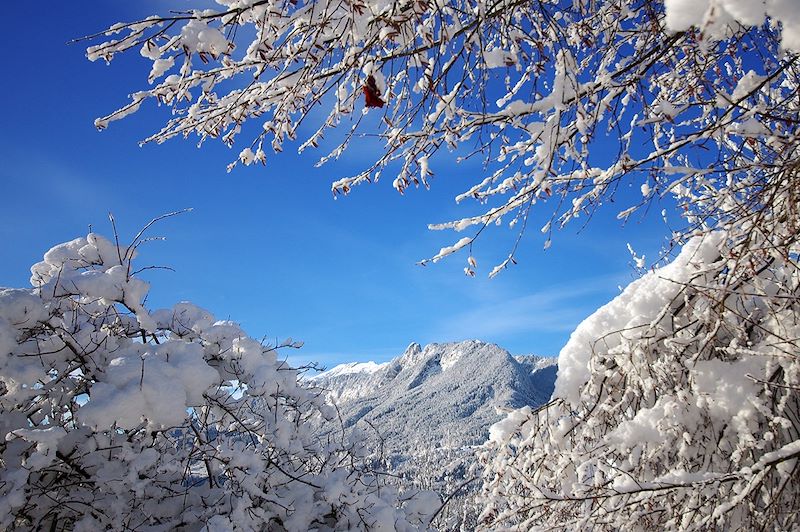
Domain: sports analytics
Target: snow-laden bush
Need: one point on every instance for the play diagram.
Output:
(114, 417)
(676, 404)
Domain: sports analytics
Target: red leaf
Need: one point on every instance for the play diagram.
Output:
(372, 96)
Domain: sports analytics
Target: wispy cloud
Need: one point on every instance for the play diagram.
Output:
(556, 309)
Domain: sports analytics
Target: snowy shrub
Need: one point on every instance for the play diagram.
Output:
(114, 417)
(677, 404)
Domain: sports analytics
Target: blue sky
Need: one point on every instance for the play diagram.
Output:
(269, 247)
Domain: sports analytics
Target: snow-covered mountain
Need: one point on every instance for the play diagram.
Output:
(442, 395)
(421, 415)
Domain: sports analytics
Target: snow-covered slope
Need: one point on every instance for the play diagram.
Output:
(445, 395)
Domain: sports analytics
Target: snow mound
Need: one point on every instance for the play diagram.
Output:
(639, 304)
(715, 17)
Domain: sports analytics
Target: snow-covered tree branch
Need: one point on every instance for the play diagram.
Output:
(676, 96)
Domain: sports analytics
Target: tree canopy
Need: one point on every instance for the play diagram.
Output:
(676, 405)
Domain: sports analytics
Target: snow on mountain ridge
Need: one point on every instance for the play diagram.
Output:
(442, 394)
(351, 367)
(536, 362)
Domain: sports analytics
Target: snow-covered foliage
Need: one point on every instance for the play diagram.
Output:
(678, 93)
(113, 417)
(677, 404)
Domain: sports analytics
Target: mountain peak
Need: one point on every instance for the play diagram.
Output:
(444, 393)
(412, 351)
